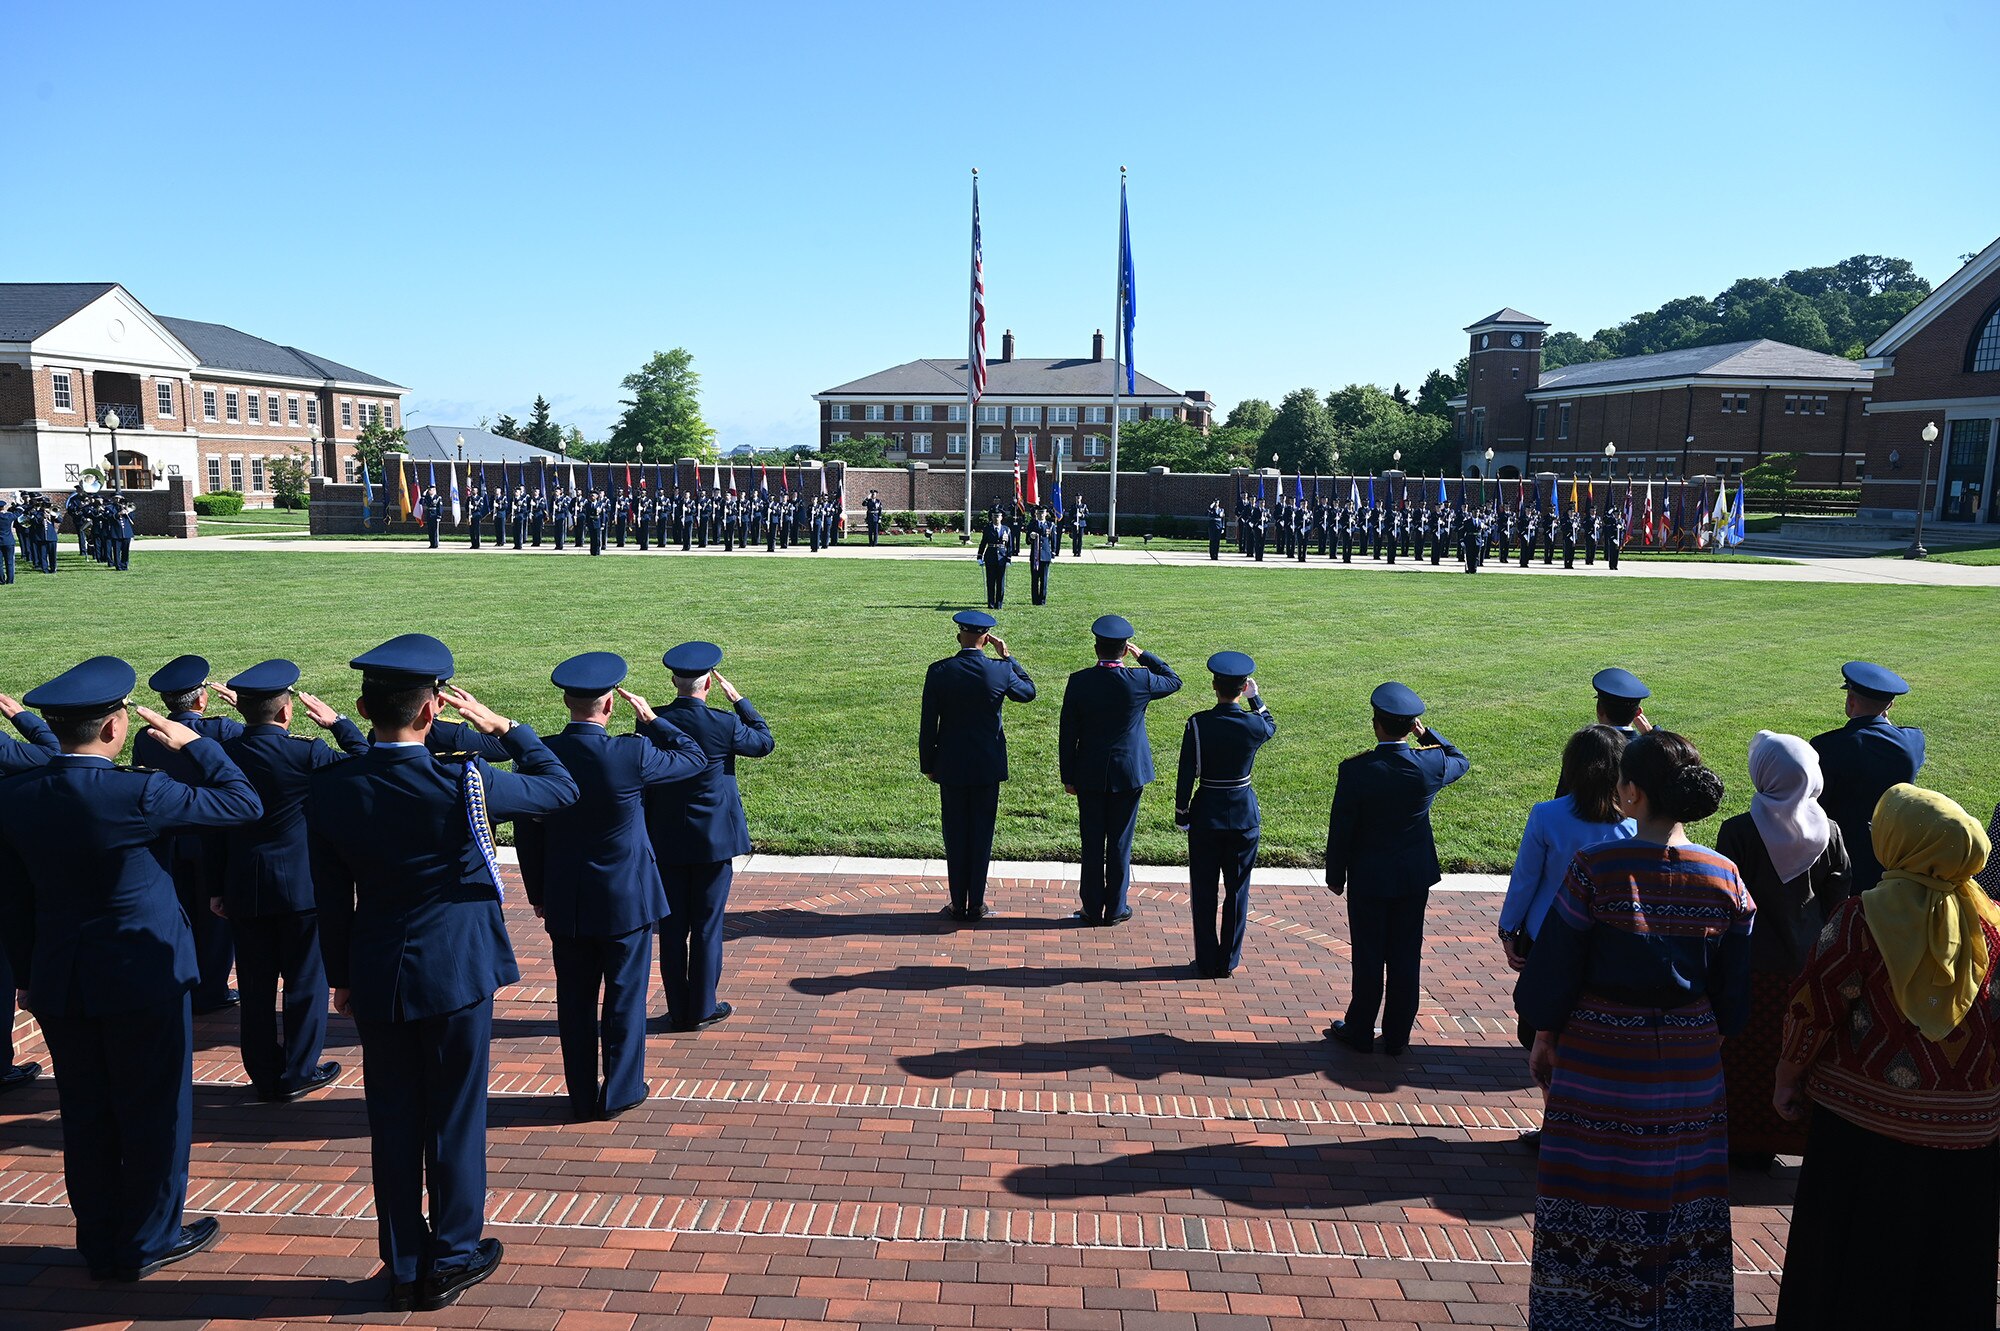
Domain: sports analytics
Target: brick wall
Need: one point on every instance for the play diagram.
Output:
(1928, 368)
(17, 394)
(1651, 426)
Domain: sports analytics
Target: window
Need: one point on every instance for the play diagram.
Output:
(1027, 415)
(920, 443)
(1093, 445)
(346, 412)
(1541, 422)
(163, 398)
(989, 445)
(214, 474)
(256, 406)
(1096, 415)
(236, 474)
(918, 414)
(872, 413)
(1514, 372)
(1819, 405)
(257, 475)
(1986, 346)
(837, 437)
(837, 412)
(208, 404)
(954, 445)
(1791, 405)
(1165, 413)
(1062, 415)
(1478, 428)
(292, 410)
(1022, 443)
(312, 411)
(993, 415)
(955, 415)
(876, 434)
(1562, 420)
(230, 408)
(348, 467)
(272, 403)
(59, 383)
(1128, 414)
(1062, 446)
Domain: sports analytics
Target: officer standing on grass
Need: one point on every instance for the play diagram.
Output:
(993, 553)
(99, 944)
(36, 746)
(1379, 843)
(962, 748)
(1215, 805)
(1041, 544)
(1865, 757)
(697, 829)
(1106, 761)
(591, 877)
(408, 894)
(872, 507)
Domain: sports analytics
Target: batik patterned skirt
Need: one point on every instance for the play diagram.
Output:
(1632, 1197)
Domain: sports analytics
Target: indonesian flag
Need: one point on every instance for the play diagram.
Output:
(1034, 488)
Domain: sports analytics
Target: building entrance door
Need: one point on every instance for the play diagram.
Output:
(1967, 461)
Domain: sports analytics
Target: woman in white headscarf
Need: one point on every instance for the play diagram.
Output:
(1795, 865)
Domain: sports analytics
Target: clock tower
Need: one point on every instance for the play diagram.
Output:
(1504, 366)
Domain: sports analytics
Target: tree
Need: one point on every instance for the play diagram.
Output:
(1252, 413)
(508, 428)
(1301, 433)
(289, 480)
(862, 452)
(1560, 349)
(1182, 447)
(1434, 395)
(375, 440)
(578, 449)
(541, 432)
(663, 413)
(1774, 476)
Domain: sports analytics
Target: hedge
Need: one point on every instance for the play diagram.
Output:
(218, 503)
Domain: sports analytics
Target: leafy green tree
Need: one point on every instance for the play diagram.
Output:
(375, 440)
(1773, 477)
(1301, 434)
(289, 480)
(863, 452)
(663, 413)
(1434, 395)
(508, 428)
(1560, 349)
(541, 431)
(1252, 413)
(1182, 447)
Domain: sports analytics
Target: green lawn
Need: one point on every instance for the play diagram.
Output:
(834, 653)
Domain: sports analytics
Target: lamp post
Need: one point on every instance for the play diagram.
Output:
(1489, 462)
(1610, 459)
(1916, 550)
(111, 423)
(312, 440)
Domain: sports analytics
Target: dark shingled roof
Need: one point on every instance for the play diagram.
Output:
(29, 309)
(439, 443)
(1510, 315)
(221, 347)
(1081, 377)
(1760, 358)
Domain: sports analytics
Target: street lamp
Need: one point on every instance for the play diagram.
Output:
(111, 423)
(312, 438)
(1489, 462)
(1916, 550)
(1610, 459)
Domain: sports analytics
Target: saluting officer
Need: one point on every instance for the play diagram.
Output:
(1217, 528)
(872, 506)
(1865, 757)
(415, 945)
(265, 888)
(962, 747)
(182, 684)
(1621, 701)
(34, 749)
(1379, 843)
(1215, 805)
(697, 828)
(591, 877)
(1106, 761)
(1042, 543)
(100, 945)
(994, 552)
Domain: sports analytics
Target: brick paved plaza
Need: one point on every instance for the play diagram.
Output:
(911, 1124)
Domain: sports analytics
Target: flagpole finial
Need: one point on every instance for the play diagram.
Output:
(975, 170)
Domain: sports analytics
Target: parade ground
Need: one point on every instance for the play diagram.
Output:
(914, 1124)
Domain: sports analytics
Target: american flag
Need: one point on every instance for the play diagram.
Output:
(975, 355)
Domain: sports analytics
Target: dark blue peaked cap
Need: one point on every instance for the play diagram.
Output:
(1112, 626)
(1396, 699)
(178, 675)
(590, 674)
(1619, 683)
(1231, 663)
(973, 619)
(412, 660)
(94, 686)
(692, 658)
(1871, 678)
(266, 677)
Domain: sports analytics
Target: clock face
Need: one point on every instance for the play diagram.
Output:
(1484, 340)
(1515, 339)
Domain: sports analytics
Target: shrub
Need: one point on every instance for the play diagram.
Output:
(218, 503)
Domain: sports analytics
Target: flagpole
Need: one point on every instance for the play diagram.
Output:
(1117, 352)
(973, 344)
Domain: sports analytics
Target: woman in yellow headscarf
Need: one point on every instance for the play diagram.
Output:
(1891, 1036)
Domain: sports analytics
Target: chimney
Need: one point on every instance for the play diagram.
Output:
(1007, 346)
(1097, 345)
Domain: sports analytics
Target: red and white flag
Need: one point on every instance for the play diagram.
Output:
(1033, 492)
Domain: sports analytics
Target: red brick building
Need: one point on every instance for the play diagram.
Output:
(193, 399)
(1696, 411)
(918, 409)
(1939, 365)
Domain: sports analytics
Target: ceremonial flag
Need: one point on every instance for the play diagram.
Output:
(1720, 519)
(1299, 487)
(367, 494)
(1572, 492)
(1055, 489)
(404, 479)
(1353, 493)
(1371, 493)
(1034, 490)
(1128, 292)
(543, 477)
(1017, 484)
(453, 471)
(1260, 485)
(1646, 530)
(1701, 521)
(763, 478)
(732, 478)
(975, 351)
(1626, 538)
(432, 485)
(1736, 519)
(1444, 497)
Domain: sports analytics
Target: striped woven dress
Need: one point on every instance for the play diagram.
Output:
(1642, 966)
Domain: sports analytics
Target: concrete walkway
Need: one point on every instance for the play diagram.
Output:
(1879, 572)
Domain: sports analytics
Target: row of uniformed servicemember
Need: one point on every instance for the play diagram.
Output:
(1295, 528)
(30, 531)
(612, 829)
(595, 519)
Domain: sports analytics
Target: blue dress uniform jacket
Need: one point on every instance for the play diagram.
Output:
(1102, 743)
(700, 820)
(960, 738)
(266, 866)
(409, 909)
(1378, 839)
(1860, 761)
(34, 749)
(1218, 749)
(195, 859)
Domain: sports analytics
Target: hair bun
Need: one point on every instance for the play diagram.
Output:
(1697, 793)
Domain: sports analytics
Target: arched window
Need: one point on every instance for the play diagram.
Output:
(1985, 351)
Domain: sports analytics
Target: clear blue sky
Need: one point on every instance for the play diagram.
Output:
(483, 202)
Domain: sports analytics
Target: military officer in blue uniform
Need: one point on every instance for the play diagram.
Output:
(100, 945)
(1042, 543)
(592, 879)
(995, 549)
(962, 747)
(11, 518)
(1865, 757)
(1379, 843)
(182, 684)
(697, 828)
(415, 946)
(1106, 761)
(1217, 808)
(34, 749)
(265, 888)
(1621, 701)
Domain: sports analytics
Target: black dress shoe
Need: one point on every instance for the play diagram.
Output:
(230, 998)
(1224, 973)
(1339, 1034)
(976, 912)
(721, 1014)
(952, 912)
(18, 1075)
(323, 1075)
(402, 1297)
(1083, 917)
(441, 1291)
(1120, 917)
(1395, 1050)
(198, 1237)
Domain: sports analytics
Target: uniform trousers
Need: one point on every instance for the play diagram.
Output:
(969, 814)
(270, 948)
(1214, 547)
(425, 1085)
(1387, 935)
(1038, 582)
(1228, 854)
(621, 969)
(213, 951)
(996, 583)
(1106, 819)
(691, 938)
(125, 1083)
(6, 564)
(6, 1011)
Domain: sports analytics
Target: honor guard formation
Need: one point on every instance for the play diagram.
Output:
(31, 529)
(592, 519)
(360, 870)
